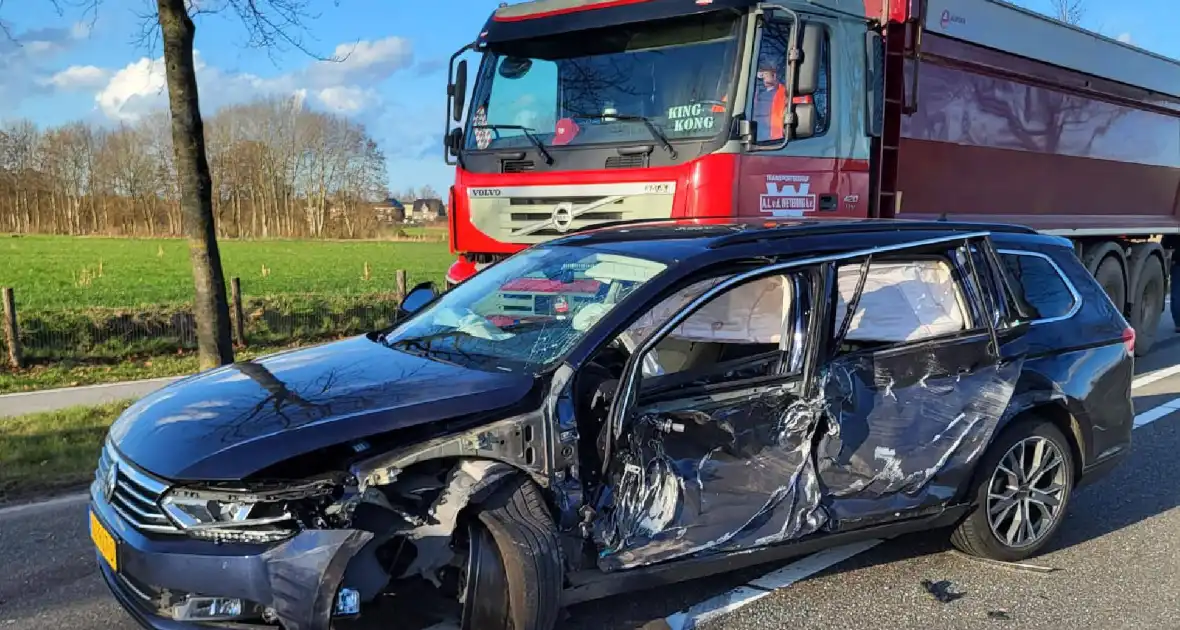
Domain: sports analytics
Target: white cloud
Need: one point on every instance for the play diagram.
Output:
(79, 78)
(362, 62)
(24, 57)
(344, 86)
(80, 30)
(347, 99)
(134, 90)
(1125, 38)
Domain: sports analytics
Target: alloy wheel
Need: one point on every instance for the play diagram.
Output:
(1027, 492)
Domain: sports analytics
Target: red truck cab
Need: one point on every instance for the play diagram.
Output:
(584, 112)
(616, 110)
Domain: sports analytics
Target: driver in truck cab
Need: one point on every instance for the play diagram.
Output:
(770, 101)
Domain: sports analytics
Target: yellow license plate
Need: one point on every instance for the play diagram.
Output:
(104, 542)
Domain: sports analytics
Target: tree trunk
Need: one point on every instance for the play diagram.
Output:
(210, 307)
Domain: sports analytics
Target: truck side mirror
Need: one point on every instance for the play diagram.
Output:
(804, 121)
(874, 84)
(457, 90)
(418, 297)
(807, 79)
(454, 141)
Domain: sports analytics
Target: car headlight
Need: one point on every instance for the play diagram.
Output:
(226, 516)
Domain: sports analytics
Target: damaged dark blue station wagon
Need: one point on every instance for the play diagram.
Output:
(622, 408)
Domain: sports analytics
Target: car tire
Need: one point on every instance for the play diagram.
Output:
(516, 571)
(1149, 305)
(981, 534)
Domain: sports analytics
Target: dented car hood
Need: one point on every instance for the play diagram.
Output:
(234, 421)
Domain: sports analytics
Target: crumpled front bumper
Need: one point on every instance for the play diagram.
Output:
(298, 578)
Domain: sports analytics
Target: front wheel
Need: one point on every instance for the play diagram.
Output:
(1022, 489)
(515, 573)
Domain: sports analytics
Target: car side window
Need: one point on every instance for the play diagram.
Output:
(902, 301)
(736, 335)
(1040, 286)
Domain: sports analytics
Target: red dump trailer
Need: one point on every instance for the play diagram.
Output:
(590, 111)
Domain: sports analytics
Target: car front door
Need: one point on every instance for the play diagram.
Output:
(915, 389)
(715, 452)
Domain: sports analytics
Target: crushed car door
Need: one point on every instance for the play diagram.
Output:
(915, 388)
(716, 452)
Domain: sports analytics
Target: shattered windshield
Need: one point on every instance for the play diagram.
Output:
(616, 84)
(522, 314)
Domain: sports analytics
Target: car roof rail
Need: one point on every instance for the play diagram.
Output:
(656, 222)
(794, 230)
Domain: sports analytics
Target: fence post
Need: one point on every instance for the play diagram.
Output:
(235, 285)
(401, 284)
(11, 332)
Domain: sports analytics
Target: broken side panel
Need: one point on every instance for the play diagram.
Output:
(722, 472)
(907, 428)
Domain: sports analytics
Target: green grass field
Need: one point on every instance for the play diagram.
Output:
(61, 272)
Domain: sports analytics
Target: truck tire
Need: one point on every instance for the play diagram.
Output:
(1148, 306)
(984, 533)
(515, 569)
(1109, 275)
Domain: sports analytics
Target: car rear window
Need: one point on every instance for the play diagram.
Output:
(1041, 288)
(902, 301)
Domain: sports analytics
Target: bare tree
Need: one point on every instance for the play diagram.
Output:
(1069, 11)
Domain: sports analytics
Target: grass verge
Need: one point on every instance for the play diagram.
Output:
(74, 374)
(54, 451)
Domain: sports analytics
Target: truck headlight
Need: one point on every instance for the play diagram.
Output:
(228, 516)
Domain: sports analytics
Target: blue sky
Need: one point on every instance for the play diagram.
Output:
(75, 65)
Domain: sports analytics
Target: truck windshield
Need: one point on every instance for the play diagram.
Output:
(524, 313)
(599, 86)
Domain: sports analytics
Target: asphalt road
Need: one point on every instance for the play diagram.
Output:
(1115, 564)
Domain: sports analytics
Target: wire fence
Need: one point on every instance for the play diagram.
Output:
(99, 335)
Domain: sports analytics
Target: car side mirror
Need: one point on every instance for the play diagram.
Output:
(804, 121)
(418, 297)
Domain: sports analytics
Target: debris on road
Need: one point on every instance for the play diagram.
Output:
(999, 615)
(943, 590)
(1018, 566)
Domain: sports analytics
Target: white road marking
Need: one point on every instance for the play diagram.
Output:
(765, 585)
(1151, 377)
(755, 590)
(1155, 413)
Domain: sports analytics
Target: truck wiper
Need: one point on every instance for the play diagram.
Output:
(647, 122)
(528, 133)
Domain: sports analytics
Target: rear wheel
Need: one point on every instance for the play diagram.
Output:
(1022, 489)
(1109, 275)
(515, 572)
(1149, 305)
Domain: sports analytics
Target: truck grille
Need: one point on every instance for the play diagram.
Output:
(136, 494)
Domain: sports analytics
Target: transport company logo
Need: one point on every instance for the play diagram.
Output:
(947, 18)
(787, 196)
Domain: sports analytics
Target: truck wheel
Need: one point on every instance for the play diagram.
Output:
(1149, 305)
(1109, 275)
(515, 573)
(1021, 492)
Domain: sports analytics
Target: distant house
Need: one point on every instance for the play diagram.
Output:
(391, 211)
(427, 210)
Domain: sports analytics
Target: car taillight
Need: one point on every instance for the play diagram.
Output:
(1129, 339)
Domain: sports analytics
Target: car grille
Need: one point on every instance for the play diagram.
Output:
(136, 494)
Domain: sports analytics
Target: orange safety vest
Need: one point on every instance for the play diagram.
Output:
(778, 109)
